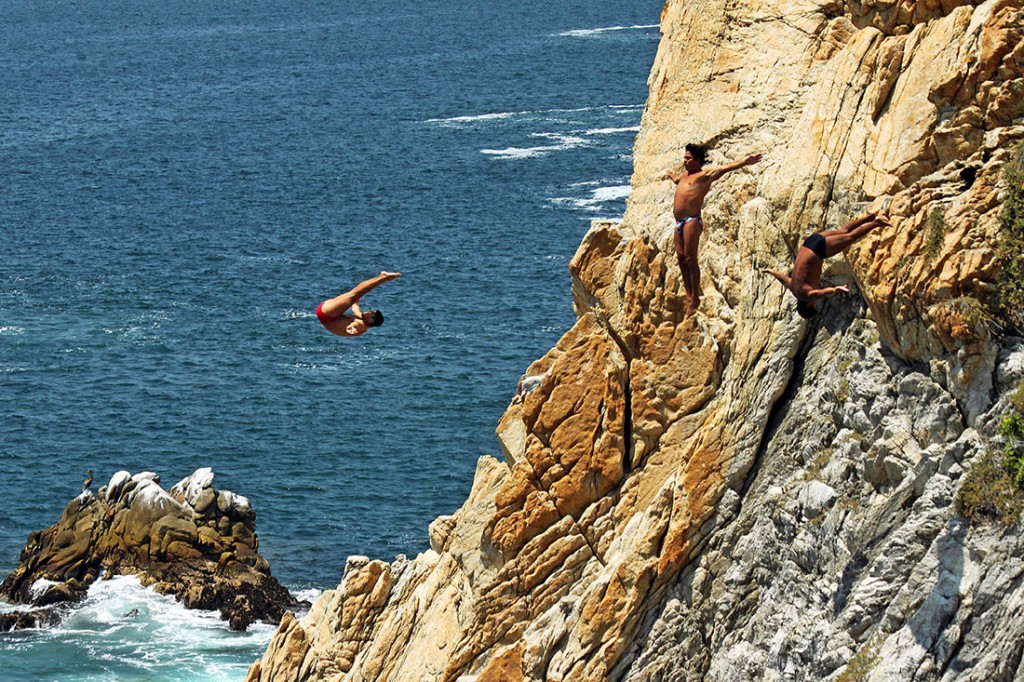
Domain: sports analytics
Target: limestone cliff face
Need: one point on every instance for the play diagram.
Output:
(743, 495)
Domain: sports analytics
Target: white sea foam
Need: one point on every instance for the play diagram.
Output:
(597, 198)
(311, 594)
(527, 114)
(602, 194)
(11, 330)
(478, 117)
(40, 587)
(123, 626)
(591, 32)
(612, 131)
(271, 259)
(562, 142)
(297, 367)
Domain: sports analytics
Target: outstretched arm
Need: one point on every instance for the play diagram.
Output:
(818, 294)
(863, 220)
(715, 173)
(674, 176)
(786, 281)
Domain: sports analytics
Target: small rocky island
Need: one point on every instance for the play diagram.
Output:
(192, 541)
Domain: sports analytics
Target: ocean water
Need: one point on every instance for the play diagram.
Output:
(184, 182)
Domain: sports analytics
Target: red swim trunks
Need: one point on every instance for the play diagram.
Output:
(324, 318)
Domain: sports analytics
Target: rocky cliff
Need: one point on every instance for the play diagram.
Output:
(743, 495)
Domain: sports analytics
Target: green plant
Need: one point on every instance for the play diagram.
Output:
(1010, 248)
(842, 391)
(973, 312)
(862, 663)
(993, 489)
(934, 234)
(819, 463)
(849, 504)
(1017, 399)
(988, 492)
(1011, 428)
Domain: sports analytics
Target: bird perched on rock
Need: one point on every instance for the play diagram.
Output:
(88, 480)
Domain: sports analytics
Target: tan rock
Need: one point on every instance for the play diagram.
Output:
(632, 443)
(136, 528)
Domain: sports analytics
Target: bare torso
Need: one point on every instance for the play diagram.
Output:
(806, 275)
(341, 326)
(689, 197)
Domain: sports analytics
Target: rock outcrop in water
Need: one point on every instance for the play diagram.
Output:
(193, 541)
(744, 495)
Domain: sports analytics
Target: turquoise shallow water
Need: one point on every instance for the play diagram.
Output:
(183, 184)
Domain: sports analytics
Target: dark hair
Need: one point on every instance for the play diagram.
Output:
(375, 321)
(698, 151)
(806, 310)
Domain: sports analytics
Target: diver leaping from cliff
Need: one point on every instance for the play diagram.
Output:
(334, 313)
(804, 281)
(692, 185)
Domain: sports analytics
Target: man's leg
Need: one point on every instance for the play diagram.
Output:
(684, 267)
(339, 304)
(336, 307)
(691, 240)
(837, 241)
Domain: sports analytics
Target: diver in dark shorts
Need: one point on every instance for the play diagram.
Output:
(805, 280)
(334, 313)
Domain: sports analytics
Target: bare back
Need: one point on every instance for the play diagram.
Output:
(690, 192)
(806, 275)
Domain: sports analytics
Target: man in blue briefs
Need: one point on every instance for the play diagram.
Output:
(805, 280)
(692, 185)
(334, 316)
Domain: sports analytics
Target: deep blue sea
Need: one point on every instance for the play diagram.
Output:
(183, 182)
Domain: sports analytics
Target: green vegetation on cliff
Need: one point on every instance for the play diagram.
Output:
(1011, 242)
(1011, 428)
(993, 489)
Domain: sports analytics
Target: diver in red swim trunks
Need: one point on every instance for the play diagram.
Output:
(334, 313)
(805, 280)
(692, 185)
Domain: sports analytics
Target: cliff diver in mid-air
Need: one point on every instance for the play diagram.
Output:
(335, 316)
(805, 280)
(692, 185)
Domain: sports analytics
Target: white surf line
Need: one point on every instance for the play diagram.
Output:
(564, 142)
(611, 131)
(497, 116)
(589, 32)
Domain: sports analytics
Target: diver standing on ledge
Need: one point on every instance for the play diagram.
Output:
(692, 185)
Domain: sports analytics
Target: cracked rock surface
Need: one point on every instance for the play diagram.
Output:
(741, 494)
